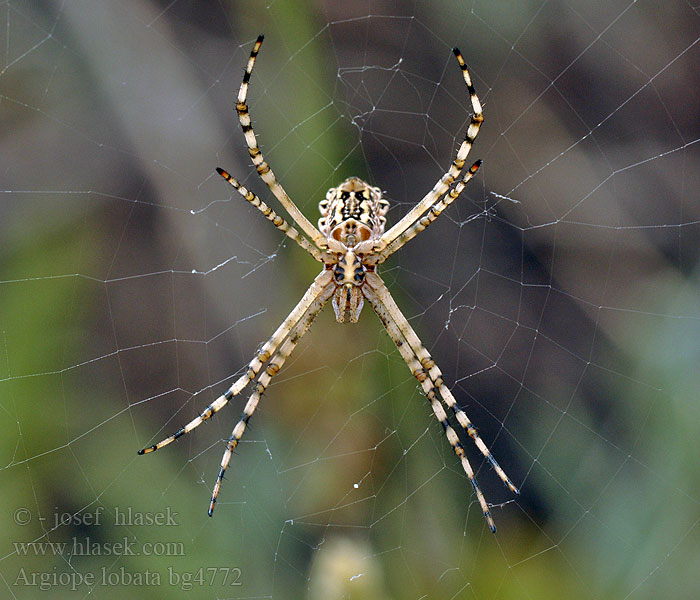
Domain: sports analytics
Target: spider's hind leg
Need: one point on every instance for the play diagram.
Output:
(262, 167)
(431, 394)
(452, 173)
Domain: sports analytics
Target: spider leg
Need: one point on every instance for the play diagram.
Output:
(429, 375)
(430, 393)
(434, 212)
(272, 216)
(434, 372)
(454, 171)
(273, 367)
(262, 167)
(317, 288)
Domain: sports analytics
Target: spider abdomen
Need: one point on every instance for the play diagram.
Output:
(353, 212)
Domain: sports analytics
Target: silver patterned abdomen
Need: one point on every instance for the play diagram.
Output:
(353, 212)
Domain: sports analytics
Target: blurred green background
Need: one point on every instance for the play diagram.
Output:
(559, 296)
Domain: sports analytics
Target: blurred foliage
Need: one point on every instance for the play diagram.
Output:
(572, 346)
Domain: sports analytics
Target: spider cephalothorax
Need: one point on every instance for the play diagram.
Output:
(350, 242)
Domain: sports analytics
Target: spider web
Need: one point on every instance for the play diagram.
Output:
(558, 295)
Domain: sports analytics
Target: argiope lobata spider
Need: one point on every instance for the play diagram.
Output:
(350, 242)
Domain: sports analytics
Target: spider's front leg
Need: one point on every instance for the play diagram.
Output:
(316, 289)
(273, 367)
(425, 221)
(428, 374)
(272, 216)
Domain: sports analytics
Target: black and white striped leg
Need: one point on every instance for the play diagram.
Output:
(262, 167)
(435, 374)
(430, 391)
(318, 286)
(207, 413)
(433, 213)
(271, 215)
(455, 168)
(273, 367)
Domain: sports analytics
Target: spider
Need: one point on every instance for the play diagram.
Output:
(350, 243)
